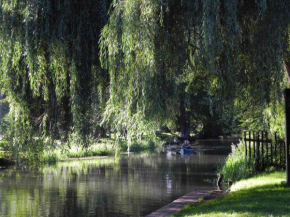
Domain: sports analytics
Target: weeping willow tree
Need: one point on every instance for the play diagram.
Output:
(154, 50)
(139, 93)
(68, 65)
(50, 70)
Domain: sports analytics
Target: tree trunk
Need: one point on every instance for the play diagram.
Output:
(1, 114)
(287, 64)
(183, 121)
(109, 131)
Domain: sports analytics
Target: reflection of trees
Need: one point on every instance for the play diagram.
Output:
(70, 207)
(101, 187)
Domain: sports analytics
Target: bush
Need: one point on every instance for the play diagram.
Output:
(237, 167)
(139, 145)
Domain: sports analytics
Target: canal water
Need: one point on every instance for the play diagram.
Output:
(134, 185)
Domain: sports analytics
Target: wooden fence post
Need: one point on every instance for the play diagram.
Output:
(262, 147)
(287, 134)
(267, 148)
(250, 145)
(254, 143)
(257, 151)
(276, 143)
(271, 151)
(245, 138)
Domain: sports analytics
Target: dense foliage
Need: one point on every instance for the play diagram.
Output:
(50, 68)
(68, 67)
(167, 56)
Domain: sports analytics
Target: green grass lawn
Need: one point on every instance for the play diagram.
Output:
(263, 195)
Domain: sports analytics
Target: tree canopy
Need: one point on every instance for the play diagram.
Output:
(50, 68)
(136, 65)
(155, 50)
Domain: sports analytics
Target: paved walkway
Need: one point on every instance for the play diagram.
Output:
(175, 206)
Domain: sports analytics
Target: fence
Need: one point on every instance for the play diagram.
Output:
(264, 149)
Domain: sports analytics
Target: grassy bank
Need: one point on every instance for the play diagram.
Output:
(63, 151)
(53, 151)
(262, 195)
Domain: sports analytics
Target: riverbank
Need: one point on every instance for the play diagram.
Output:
(262, 195)
(55, 151)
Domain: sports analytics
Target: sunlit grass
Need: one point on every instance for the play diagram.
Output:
(263, 195)
(102, 147)
(78, 166)
(52, 151)
(258, 181)
(77, 151)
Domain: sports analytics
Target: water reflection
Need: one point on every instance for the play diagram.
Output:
(128, 186)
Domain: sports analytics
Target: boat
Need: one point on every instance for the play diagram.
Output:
(185, 151)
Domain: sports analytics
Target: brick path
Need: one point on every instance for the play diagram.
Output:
(178, 204)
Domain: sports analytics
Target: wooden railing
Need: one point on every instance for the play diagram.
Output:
(267, 150)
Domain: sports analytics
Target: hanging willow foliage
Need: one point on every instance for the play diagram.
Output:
(138, 92)
(154, 51)
(152, 47)
(49, 63)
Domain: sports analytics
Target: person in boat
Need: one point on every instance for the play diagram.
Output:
(186, 145)
(185, 148)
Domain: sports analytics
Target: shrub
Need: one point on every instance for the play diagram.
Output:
(139, 145)
(237, 166)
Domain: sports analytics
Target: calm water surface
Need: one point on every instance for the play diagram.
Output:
(134, 185)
